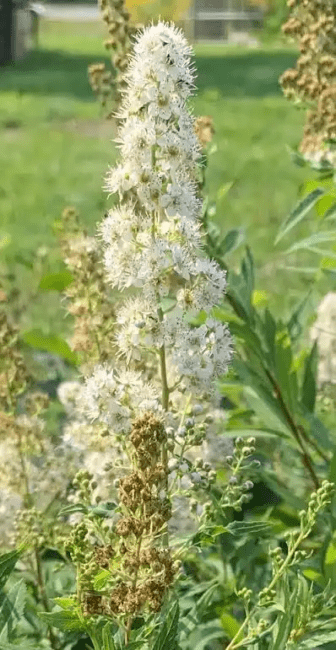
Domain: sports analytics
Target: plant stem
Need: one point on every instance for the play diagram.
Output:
(294, 428)
(165, 403)
(303, 534)
(43, 594)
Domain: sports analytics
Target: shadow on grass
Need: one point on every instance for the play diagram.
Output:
(245, 74)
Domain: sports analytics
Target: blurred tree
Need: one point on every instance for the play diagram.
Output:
(276, 13)
(144, 10)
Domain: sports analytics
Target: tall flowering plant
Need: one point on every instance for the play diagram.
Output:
(153, 249)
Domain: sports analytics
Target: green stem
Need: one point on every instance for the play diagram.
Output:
(286, 562)
(43, 595)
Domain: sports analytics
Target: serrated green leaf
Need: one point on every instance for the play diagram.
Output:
(255, 432)
(324, 204)
(167, 637)
(72, 508)
(265, 407)
(297, 158)
(308, 394)
(101, 579)
(55, 281)
(297, 215)
(294, 324)
(330, 214)
(7, 565)
(317, 640)
(63, 620)
(313, 240)
(12, 608)
(35, 338)
(315, 576)
(66, 603)
(283, 625)
(249, 528)
(318, 430)
(231, 626)
(108, 643)
(104, 510)
(210, 631)
(232, 240)
(329, 563)
(21, 646)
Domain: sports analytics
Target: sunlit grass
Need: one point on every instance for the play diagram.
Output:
(56, 148)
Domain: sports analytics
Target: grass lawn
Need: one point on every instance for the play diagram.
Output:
(56, 149)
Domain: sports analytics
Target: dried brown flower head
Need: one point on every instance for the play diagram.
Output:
(204, 129)
(140, 571)
(89, 298)
(313, 81)
(106, 85)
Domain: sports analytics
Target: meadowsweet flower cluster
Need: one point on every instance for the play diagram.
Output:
(312, 82)
(153, 250)
(153, 240)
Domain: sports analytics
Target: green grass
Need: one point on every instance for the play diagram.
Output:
(55, 150)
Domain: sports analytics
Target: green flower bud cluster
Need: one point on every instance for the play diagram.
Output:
(317, 502)
(34, 529)
(245, 594)
(238, 489)
(84, 485)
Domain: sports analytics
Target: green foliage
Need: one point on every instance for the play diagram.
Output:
(52, 343)
(167, 637)
(55, 281)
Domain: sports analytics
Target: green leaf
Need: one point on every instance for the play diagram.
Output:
(294, 324)
(269, 335)
(224, 189)
(266, 408)
(206, 535)
(317, 640)
(35, 338)
(7, 565)
(232, 240)
(283, 624)
(210, 631)
(237, 528)
(231, 626)
(297, 158)
(66, 603)
(255, 432)
(308, 395)
(55, 281)
(299, 212)
(315, 576)
(104, 510)
(101, 579)
(12, 608)
(23, 646)
(318, 430)
(167, 637)
(324, 204)
(316, 238)
(248, 270)
(108, 643)
(63, 620)
(330, 214)
(330, 562)
(72, 508)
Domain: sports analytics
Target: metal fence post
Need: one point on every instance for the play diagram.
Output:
(6, 31)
